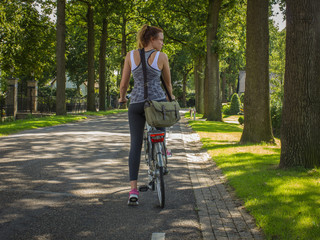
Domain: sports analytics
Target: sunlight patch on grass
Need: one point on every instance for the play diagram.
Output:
(104, 113)
(33, 123)
(198, 115)
(285, 203)
(208, 126)
(220, 136)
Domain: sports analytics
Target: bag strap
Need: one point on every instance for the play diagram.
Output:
(144, 69)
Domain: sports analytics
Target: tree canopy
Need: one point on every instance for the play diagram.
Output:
(28, 41)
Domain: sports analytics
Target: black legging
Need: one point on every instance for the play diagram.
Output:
(136, 123)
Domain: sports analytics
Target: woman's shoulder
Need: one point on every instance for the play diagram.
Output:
(133, 50)
(163, 56)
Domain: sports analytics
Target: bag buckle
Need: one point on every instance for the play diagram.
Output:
(164, 112)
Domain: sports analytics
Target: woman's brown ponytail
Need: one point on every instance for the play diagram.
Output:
(145, 34)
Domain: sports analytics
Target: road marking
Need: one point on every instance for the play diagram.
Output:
(158, 236)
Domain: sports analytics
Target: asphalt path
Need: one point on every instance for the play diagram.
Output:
(71, 182)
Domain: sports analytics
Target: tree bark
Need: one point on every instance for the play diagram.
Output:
(230, 92)
(300, 132)
(91, 81)
(108, 95)
(257, 120)
(199, 81)
(223, 88)
(184, 90)
(61, 61)
(201, 86)
(196, 83)
(214, 99)
(206, 91)
(102, 66)
(123, 46)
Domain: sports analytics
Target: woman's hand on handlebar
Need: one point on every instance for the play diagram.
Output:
(173, 98)
(122, 100)
(122, 103)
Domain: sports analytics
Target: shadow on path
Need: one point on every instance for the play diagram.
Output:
(70, 182)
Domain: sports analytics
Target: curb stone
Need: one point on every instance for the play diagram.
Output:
(221, 215)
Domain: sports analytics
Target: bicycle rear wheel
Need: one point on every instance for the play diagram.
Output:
(160, 187)
(159, 173)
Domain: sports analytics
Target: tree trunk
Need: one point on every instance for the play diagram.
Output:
(233, 89)
(102, 66)
(205, 93)
(123, 45)
(184, 90)
(230, 93)
(257, 120)
(223, 88)
(300, 131)
(91, 82)
(199, 81)
(214, 100)
(61, 60)
(196, 83)
(201, 86)
(108, 95)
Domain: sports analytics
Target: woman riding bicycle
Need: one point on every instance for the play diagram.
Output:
(151, 39)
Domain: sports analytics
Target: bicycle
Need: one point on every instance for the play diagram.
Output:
(156, 160)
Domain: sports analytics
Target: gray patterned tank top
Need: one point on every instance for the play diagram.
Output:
(155, 91)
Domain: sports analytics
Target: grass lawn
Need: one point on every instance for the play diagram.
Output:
(285, 203)
(31, 123)
(103, 113)
(225, 117)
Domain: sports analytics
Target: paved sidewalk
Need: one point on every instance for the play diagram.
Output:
(221, 215)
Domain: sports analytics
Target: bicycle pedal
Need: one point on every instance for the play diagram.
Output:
(143, 188)
(151, 185)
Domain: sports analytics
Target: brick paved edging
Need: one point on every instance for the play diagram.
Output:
(221, 215)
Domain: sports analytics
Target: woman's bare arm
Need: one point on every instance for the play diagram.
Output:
(166, 73)
(125, 78)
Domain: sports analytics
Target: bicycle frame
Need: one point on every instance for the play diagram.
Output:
(154, 138)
